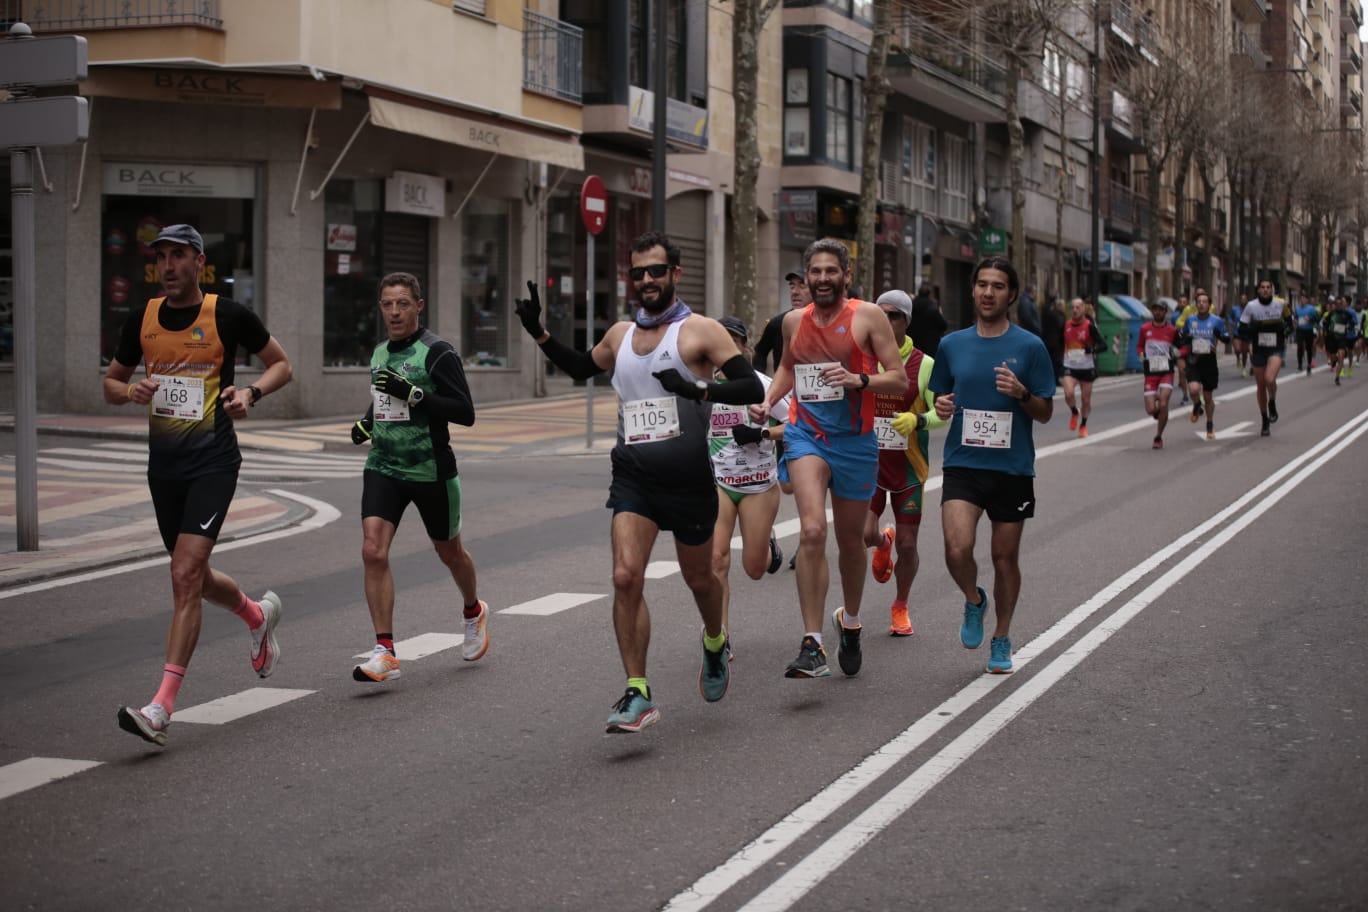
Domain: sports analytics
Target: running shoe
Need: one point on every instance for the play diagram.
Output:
(1263, 431)
(1083, 431)
(715, 674)
(380, 667)
(632, 713)
(1308, 370)
(727, 648)
(848, 654)
(882, 562)
(1158, 443)
(1337, 383)
(1196, 413)
(1244, 372)
(476, 642)
(971, 630)
(1073, 421)
(265, 646)
(793, 561)
(1272, 412)
(149, 723)
(811, 661)
(1211, 431)
(1000, 657)
(776, 556)
(899, 624)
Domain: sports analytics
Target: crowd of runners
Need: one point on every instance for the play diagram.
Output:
(706, 444)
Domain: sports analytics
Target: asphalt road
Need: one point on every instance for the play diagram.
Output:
(1185, 730)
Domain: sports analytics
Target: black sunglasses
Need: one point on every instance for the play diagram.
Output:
(657, 270)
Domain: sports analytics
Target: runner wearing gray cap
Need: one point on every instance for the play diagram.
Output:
(771, 342)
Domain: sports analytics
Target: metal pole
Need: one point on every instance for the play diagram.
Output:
(589, 337)
(25, 353)
(658, 154)
(1095, 278)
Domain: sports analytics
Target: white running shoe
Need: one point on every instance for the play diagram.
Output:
(382, 666)
(476, 642)
(149, 723)
(265, 646)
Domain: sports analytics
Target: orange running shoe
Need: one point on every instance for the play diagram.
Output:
(882, 562)
(1073, 421)
(1083, 431)
(900, 624)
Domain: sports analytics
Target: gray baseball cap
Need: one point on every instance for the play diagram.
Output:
(181, 234)
(736, 327)
(898, 299)
(790, 276)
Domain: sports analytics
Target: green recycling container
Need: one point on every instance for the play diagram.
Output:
(1113, 322)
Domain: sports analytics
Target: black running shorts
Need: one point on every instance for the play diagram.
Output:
(191, 506)
(1005, 498)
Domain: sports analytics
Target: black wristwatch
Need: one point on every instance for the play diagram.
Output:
(864, 381)
(1024, 397)
(256, 394)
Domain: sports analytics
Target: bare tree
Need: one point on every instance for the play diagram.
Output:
(748, 21)
(876, 90)
(1014, 32)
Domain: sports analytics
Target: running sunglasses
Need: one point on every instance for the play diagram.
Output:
(657, 270)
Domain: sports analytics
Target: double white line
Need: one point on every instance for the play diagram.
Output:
(807, 873)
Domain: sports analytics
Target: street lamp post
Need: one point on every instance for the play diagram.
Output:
(1094, 278)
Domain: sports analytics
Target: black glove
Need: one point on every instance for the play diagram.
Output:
(396, 387)
(361, 431)
(674, 382)
(529, 312)
(744, 434)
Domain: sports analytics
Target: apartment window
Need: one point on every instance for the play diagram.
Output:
(797, 114)
(855, 9)
(839, 112)
(956, 207)
(924, 169)
(639, 29)
(590, 17)
(1050, 66)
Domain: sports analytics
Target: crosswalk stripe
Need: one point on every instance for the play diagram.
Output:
(236, 706)
(661, 569)
(423, 645)
(35, 771)
(554, 603)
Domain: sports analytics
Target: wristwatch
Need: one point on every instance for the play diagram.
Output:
(1025, 396)
(416, 395)
(256, 394)
(864, 381)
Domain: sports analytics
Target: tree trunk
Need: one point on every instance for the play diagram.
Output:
(1179, 219)
(875, 91)
(746, 66)
(1016, 152)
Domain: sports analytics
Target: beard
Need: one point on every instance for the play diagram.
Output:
(662, 301)
(1265, 300)
(828, 299)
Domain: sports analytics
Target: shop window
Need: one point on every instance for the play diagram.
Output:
(839, 107)
(486, 296)
(142, 197)
(351, 257)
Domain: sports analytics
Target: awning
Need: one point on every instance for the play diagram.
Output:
(499, 139)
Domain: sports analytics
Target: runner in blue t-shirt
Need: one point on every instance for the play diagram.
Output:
(1306, 316)
(992, 381)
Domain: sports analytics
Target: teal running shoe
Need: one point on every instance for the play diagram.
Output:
(1000, 660)
(971, 631)
(632, 713)
(715, 674)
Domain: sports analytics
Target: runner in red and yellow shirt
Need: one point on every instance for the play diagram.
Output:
(1156, 348)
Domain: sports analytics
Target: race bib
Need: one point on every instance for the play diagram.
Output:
(986, 429)
(1077, 358)
(807, 380)
(724, 418)
(1266, 340)
(178, 397)
(1341, 329)
(1159, 364)
(650, 420)
(388, 408)
(888, 438)
(1201, 346)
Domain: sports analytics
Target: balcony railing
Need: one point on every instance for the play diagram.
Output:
(1140, 28)
(1201, 217)
(86, 15)
(1122, 112)
(913, 37)
(552, 56)
(1351, 17)
(1351, 61)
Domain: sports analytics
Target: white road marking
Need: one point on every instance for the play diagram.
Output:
(661, 569)
(35, 771)
(1235, 430)
(554, 603)
(323, 514)
(423, 645)
(236, 706)
(822, 805)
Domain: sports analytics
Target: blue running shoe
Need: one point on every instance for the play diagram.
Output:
(971, 631)
(632, 713)
(715, 673)
(1000, 661)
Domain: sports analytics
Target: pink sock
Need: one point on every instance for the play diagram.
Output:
(250, 612)
(172, 676)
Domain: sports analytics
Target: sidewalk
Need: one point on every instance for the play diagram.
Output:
(89, 519)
